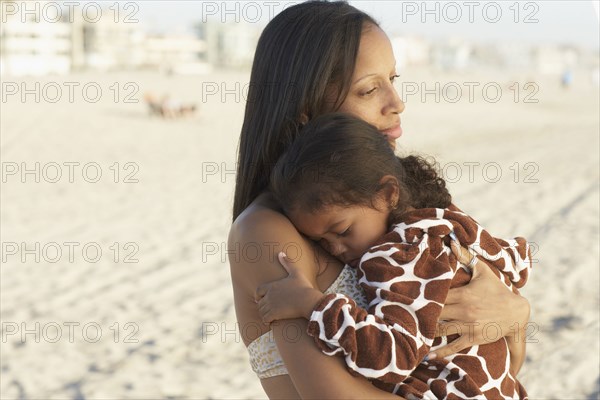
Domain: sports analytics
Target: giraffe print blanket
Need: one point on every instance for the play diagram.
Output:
(406, 276)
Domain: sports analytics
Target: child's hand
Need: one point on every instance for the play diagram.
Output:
(290, 297)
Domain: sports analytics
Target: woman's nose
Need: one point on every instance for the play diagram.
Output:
(394, 103)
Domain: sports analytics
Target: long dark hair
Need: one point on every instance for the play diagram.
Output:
(306, 52)
(340, 160)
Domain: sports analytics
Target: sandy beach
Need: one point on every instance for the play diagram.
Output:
(114, 279)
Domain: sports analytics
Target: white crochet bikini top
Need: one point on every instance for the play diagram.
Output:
(264, 356)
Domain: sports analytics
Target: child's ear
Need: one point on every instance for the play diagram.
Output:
(303, 120)
(390, 190)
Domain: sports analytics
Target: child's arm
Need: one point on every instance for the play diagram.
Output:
(406, 285)
(294, 296)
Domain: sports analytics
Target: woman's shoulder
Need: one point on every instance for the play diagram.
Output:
(261, 219)
(255, 238)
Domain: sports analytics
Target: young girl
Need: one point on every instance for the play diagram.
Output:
(341, 184)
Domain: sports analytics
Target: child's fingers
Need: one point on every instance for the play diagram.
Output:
(266, 313)
(261, 290)
(268, 318)
(260, 304)
(289, 266)
(263, 308)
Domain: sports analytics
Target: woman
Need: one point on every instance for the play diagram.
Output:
(311, 59)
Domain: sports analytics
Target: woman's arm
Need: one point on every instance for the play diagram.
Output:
(314, 374)
(483, 301)
(516, 346)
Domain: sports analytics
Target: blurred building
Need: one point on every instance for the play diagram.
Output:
(451, 54)
(553, 60)
(230, 45)
(411, 51)
(106, 45)
(31, 45)
(515, 55)
(182, 54)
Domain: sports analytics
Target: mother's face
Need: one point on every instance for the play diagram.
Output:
(372, 96)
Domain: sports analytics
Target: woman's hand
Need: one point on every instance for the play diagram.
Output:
(291, 297)
(482, 311)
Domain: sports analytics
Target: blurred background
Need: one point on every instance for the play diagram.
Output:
(119, 124)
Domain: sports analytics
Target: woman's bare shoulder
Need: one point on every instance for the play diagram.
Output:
(260, 219)
(255, 238)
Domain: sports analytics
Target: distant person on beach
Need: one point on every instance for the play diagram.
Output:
(314, 58)
(341, 185)
(566, 78)
(167, 107)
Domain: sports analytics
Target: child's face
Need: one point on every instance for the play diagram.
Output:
(345, 232)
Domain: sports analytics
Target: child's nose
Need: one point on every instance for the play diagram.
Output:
(337, 249)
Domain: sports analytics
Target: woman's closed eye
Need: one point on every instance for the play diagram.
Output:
(371, 91)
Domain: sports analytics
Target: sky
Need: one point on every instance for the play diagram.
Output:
(534, 22)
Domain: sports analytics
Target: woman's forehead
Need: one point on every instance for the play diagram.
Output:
(375, 54)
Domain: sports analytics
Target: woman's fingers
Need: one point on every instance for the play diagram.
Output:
(463, 295)
(464, 256)
(455, 296)
(451, 348)
(453, 312)
(481, 269)
(448, 328)
(461, 253)
(470, 330)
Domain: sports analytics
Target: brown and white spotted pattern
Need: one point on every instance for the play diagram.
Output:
(406, 276)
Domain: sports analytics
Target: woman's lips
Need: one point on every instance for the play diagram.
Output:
(393, 133)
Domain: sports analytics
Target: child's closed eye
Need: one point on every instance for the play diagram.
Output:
(345, 233)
